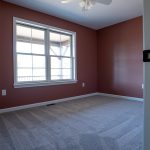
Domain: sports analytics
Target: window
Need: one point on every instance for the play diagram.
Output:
(43, 55)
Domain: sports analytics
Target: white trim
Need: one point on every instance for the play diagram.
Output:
(47, 29)
(120, 96)
(14, 50)
(42, 26)
(36, 84)
(45, 103)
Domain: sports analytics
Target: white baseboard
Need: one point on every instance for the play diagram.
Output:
(124, 97)
(67, 99)
(45, 103)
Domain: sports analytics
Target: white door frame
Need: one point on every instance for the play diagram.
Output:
(146, 46)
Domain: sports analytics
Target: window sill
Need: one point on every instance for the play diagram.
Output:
(37, 84)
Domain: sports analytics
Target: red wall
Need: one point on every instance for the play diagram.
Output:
(86, 59)
(120, 67)
(108, 60)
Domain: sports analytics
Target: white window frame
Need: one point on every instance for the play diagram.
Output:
(47, 82)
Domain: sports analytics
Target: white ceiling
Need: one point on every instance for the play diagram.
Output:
(98, 17)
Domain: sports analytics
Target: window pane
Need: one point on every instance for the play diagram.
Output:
(31, 74)
(24, 79)
(55, 50)
(55, 47)
(55, 62)
(38, 41)
(66, 63)
(25, 72)
(61, 74)
(66, 77)
(28, 71)
(37, 34)
(30, 40)
(65, 39)
(61, 67)
(24, 75)
(66, 50)
(55, 77)
(24, 61)
(74, 69)
(58, 62)
(60, 44)
(23, 32)
(23, 47)
(55, 72)
(55, 37)
(66, 74)
(38, 72)
(65, 45)
(38, 78)
(38, 49)
(39, 62)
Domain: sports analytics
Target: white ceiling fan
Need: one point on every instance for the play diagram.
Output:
(88, 4)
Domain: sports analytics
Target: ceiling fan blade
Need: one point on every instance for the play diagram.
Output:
(105, 2)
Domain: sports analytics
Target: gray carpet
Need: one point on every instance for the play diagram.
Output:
(94, 123)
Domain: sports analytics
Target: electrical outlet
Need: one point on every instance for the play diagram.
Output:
(83, 84)
(4, 92)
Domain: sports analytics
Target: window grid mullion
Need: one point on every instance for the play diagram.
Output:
(72, 60)
(60, 56)
(30, 54)
(60, 59)
(48, 70)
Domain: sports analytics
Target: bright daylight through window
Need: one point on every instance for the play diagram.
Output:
(43, 55)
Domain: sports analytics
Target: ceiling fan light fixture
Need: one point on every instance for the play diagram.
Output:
(82, 4)
(86, 4)
(64, 1)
